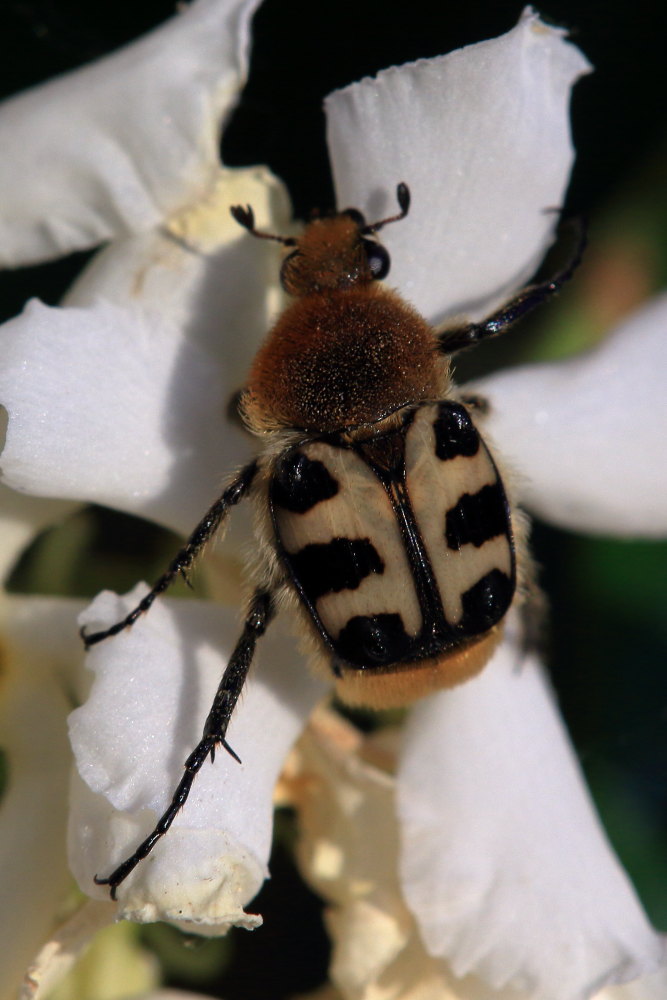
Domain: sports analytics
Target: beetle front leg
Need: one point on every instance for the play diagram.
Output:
(467, 335)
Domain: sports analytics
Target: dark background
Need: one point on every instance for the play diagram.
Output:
(608, 646)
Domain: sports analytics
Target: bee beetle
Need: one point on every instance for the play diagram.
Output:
(384, 523)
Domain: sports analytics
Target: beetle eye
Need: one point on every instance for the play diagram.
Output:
(378, 259)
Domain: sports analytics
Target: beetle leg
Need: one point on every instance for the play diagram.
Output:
(214, 733)
(467, 335)
(186, 556)
(475, 402)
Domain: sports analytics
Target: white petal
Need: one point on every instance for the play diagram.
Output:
(129, 365)
(347, 852)
(647, 988)
(119, 145)
(153, 690)
(59, 954)
(111, 405)
(203, 275)
(504, 864)
(41, 653)
(588, 436)
(481, 137)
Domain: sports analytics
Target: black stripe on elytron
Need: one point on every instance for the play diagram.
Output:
(300, 483)
(455, 433)
(477, 517)
(386, 457)
(328, 567)
(374, 641)
(485, 603)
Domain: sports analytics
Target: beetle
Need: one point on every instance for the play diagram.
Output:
(385, 525)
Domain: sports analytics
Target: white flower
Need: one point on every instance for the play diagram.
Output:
(117, 147)
(41, 664)
(119, 398)
(40, 670)
(344, 789)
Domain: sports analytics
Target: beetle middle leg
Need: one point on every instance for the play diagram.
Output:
(184, 559)
(214, 733)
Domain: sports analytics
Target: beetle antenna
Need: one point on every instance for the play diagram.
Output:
(246, 218)
(403, 199)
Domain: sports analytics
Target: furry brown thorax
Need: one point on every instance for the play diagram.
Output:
(340, 359)
(347, 351)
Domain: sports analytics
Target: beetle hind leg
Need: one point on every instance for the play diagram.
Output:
(475, 402)
(214, 734)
